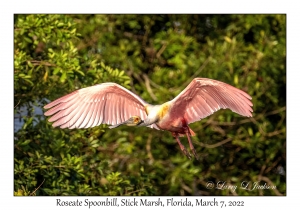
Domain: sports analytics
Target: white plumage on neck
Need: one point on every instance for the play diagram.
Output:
(153, 114)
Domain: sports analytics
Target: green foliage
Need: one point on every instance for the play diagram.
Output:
(155, 56)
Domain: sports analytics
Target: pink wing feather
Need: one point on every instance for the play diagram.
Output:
(204, 96)
(106, 103)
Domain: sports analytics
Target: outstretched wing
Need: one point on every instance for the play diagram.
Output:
(204, 96)
(106, 103)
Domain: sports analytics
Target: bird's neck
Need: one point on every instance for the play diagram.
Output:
(152, 114)
(156, 113)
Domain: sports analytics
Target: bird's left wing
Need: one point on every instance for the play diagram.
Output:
(106, 103)
(204, 96)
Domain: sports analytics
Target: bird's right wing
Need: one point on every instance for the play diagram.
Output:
(106, 103)
(204, 96)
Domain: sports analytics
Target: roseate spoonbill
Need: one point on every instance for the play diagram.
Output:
(110, 103)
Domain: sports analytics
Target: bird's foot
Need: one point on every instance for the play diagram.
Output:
(183, 149)
(186, 153)
(195, 154)
(188, 134)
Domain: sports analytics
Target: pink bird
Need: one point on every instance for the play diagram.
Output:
(112, 104)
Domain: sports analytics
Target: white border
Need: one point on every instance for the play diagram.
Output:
(8, 8)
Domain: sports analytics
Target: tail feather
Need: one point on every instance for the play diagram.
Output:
(191, 132)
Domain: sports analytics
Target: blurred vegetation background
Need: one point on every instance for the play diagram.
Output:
(155, 56)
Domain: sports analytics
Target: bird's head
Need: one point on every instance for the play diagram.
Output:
(132, 121)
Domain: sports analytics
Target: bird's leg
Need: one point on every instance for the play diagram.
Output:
(188, 134)
(183, 149)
